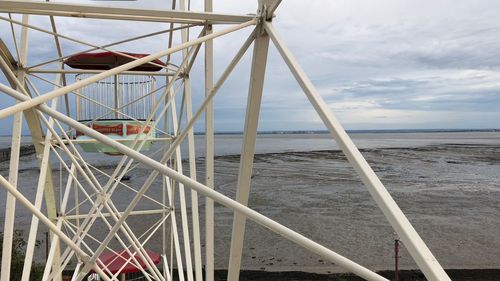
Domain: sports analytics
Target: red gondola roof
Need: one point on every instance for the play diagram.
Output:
(108, 60)
(114, 262)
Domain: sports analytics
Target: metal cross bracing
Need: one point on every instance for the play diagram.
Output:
(82, 211)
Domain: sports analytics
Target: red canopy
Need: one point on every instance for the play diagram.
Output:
(108, 60)
(113, 262)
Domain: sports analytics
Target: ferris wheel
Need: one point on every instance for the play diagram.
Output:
(102, 114)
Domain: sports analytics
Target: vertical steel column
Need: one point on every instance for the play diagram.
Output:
(44, 167)
(49, 192)
(50, 196)
(191, 157)
(248, 149)
(32, 119)
(209, 151)
(415, 245)
(182, 201)
(10, 206)
(194, 194)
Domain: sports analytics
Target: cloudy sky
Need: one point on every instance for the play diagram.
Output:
(386, 64)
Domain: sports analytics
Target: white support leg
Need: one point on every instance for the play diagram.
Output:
(44, 167)
(174, 233)
(214, 90)
(26, 203)
(166, 268)
(209, 152)
(10, 206)
(182, 201)
(415, 245)
(192, 158)
(248, 150)
(77, 270)
(53, 260)
(192, 174)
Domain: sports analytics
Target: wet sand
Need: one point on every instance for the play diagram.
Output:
(450, 193)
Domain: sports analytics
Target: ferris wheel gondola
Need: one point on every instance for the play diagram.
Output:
(118, 106)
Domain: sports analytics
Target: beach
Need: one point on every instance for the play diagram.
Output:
(448, 185)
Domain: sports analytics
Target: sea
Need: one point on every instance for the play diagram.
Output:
(301, 141)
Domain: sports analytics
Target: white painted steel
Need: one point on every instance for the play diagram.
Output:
(212, 93)
(166, 269)
(254, 98)
(103, 47)
(224, 76)
(10, 204)
(191, 153)
(76, 41)
(200, 188)
(54, 244)
(64, 90)
(44, 167)
(209, 151)
(182, 200)
(192, 174)
(31, 118)
(415, 245)
(86, 221)
(107, 12)
(94, 184)
(26, 203)
(170, 165)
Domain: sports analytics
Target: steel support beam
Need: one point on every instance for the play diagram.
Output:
(10, 206)
(195, 218)
(78, 71)
(108, 12)
(44, 167)
(64, 90)
(209, 151)
(415, 245)
(200, 188)
(248, 149)
(26, 203)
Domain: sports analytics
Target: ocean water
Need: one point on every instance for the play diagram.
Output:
(230, 144)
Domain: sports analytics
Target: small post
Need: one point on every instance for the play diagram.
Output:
(396, 259)
(117, 95)
(46, 245)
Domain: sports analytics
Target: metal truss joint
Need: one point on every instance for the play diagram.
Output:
(102, 197)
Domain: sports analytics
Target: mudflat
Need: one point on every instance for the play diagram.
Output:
(449, 192)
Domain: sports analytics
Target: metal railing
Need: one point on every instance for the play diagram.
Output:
(116, 97)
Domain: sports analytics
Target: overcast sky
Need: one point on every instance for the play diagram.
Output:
(379, 64)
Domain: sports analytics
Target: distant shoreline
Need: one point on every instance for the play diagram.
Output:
(370, 131)
(320, 132)
(23, 151)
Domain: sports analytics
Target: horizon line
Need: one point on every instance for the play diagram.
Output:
(348, 131)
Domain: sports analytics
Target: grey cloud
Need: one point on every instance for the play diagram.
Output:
(386, 59)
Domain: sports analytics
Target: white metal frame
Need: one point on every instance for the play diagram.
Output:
(71, 227)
